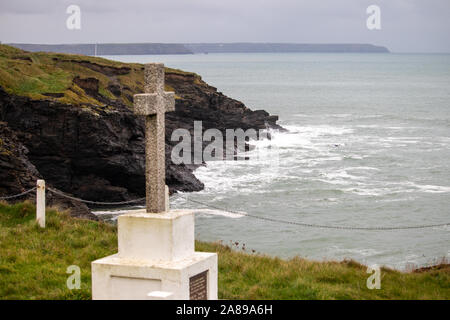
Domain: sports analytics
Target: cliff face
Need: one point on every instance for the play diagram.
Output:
(18, 174)
(76, 123)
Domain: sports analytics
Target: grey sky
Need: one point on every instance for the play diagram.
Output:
(407, 25)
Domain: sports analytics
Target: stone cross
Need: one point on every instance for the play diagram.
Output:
(153, 104)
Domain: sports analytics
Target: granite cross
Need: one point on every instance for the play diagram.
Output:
(153, 104)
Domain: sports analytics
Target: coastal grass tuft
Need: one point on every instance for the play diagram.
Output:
(33, 264)
(33, 261)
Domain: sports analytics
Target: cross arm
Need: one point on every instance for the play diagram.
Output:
(146, 104)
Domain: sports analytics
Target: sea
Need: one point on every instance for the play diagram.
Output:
(367, 146)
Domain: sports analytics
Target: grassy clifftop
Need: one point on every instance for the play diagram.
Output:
(33, 265)
(71, 79)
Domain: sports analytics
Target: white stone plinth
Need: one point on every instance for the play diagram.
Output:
(156, 236)
(156, 254)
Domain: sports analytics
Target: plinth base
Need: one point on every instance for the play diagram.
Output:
(148, 269)
(114, 278)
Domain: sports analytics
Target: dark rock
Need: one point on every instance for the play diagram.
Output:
(115, 88)
(89, 85)
(18, 174)
(54, 94)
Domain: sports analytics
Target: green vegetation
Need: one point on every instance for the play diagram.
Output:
(3, 149)
(33, 263)
(43, 75)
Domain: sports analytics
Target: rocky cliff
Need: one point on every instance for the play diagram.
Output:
(18, 174)
(70, 121)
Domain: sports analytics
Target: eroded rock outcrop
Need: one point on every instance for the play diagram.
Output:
(18, 174)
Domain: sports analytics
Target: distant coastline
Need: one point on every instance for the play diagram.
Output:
(246, 47)
(195, 48)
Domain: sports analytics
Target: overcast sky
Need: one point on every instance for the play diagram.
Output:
(406, 25)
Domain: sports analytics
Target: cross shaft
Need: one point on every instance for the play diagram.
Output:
(153, 104)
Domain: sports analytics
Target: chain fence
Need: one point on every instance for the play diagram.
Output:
(18, 195)
(240, 213)
(311, 225)
(119, 203)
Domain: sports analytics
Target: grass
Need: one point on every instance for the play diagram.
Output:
(33, 263)
(37, 74)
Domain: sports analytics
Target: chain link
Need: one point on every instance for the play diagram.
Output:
(95, 202)
(18, 195)
(310, 225)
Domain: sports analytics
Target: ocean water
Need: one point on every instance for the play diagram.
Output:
(368, 145)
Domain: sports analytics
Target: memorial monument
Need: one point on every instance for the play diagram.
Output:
(156, 258)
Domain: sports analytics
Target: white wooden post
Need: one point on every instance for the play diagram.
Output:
(40, 203)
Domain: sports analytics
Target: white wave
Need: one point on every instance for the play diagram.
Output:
(340, 177)
(402, 128)
(355, 156)
(375, 192)
(284, 140)
(313, 131)
(341, 115)
(336, 174)
(364, 252)
(213, 212)
(367, 126)
(115, 212)
(429, 188)
(242, 176)
(397, 187)
(333, 115)
(403, 140)
(362, 168)
(302, 115)
(370, 116)
(339, 182)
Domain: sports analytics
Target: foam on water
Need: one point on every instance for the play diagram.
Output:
(221, 213)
